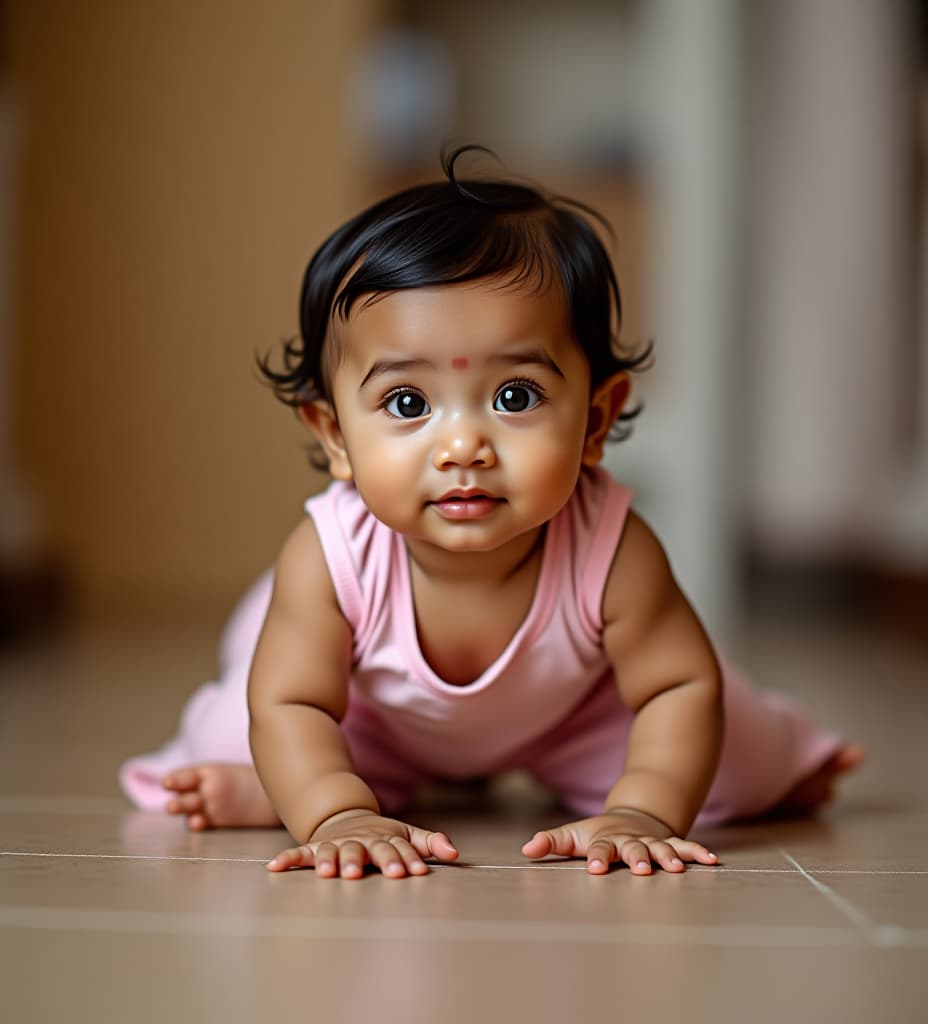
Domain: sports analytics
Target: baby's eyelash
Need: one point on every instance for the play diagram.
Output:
(403, 390)
(525, 382)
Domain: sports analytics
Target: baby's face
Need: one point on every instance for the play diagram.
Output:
(462, 410)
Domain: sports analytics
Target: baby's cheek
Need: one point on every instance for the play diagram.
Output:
(387, 487)
(549, 473)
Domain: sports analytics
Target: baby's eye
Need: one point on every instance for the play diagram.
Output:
(407, 405)
(516, 398)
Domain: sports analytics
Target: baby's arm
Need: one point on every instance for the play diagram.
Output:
(297, 695)
(667, 673)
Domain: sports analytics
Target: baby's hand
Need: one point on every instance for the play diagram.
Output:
(343, 845)
(632, 838)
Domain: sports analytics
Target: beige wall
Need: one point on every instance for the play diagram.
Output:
(180, 163)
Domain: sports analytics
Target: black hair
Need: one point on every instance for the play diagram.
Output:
(449, 232)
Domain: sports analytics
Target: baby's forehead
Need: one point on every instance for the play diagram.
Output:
(472, 315)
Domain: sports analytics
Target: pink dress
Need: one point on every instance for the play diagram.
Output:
(548, 704)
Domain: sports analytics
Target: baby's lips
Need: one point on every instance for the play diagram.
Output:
(463, 494)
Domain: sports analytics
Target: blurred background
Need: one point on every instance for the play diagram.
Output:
(167, 169)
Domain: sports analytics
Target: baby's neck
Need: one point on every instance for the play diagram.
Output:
(475, 568)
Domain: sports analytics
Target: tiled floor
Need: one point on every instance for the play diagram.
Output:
(110, 915)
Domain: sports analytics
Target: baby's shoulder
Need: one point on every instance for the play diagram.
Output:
(301, 574)
(640, 572)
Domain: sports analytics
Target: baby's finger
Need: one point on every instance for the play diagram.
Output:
(637, 856)
(559, 841)
(325, 859)
(415, 865)
(352, 856)
(601, 854)
(689, 851)
(295, 857)
(665, 855)
(432, 844)
(384, 855)
(540, 845)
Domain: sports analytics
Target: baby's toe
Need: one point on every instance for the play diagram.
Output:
(182, 780)
(186, 803)
(216, 784)
(848, 758)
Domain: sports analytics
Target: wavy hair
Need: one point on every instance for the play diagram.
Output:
(449, 232)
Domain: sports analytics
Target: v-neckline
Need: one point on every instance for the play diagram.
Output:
(536, 618)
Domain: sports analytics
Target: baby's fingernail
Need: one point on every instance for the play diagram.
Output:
(714, 856)
(643, 864)
(675, 860)
(598, 864)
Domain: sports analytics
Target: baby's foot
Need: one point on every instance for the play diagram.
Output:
(817, 789)
(219, 796)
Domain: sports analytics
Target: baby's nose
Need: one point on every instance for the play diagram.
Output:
(464, 445)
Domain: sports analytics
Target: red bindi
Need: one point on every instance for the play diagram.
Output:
(459, 363)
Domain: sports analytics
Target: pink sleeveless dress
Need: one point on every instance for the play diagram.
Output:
(548, 704)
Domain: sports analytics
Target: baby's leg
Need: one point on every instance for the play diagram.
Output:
(219, 796)
(774, 759)
(212, 733)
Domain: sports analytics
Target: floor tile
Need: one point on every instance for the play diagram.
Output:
(109, 915)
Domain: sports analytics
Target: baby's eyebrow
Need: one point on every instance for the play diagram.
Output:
(523, 357)
(538, 356)
(383, 366)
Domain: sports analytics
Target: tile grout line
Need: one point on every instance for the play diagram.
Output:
(546, 865)
(856, 915)
(134, 856)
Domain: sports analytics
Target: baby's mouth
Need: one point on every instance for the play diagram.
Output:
(466, 504)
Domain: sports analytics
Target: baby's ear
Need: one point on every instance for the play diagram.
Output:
(605, 405)
(320, 417)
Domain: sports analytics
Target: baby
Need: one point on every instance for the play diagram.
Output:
(473, 593)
